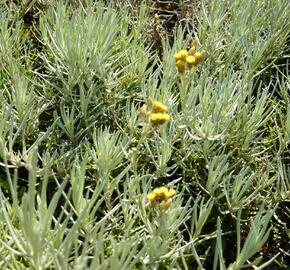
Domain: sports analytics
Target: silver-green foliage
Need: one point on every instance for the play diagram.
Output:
(70, 90)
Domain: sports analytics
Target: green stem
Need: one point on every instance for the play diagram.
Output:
(134, 158)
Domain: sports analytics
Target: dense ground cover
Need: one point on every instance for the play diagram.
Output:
(117, 151)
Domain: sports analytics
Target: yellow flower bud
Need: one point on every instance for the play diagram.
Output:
(161, 195)
(169, 194)
(157, 119)
(191, 61)
(172, 192)
(199, 56)
(152, 198)
(177, 56)
(183, 54)
(159, 107)
(160, 191)
(156, 191)
(180, 64)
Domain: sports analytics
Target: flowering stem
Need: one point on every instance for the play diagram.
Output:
(134, 158)
(162, 230)
(183, 91)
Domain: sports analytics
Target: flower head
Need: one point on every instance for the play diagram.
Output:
(155, 112)
(183, 54)
(180, 64)
(152, 199)
(200, 56)
(185, 60)
(162, 196)
(157, 119)
(190, 61)
(177, 56)
(159, 107)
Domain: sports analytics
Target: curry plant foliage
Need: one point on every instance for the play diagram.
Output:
(116, 155)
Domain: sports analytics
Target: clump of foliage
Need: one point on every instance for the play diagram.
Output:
(116, 154)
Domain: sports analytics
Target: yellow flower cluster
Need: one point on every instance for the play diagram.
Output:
(188, 59)
(162, 196)
(156, 112)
